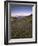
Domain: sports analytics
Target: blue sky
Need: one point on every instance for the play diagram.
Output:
(18, 10)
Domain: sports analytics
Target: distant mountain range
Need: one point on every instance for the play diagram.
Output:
(20, 17)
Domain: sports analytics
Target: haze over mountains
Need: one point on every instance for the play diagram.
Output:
(22, 14)
(20, 17)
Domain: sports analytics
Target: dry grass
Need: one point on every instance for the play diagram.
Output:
(21, 28)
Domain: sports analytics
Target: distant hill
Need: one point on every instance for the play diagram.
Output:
(20, 17)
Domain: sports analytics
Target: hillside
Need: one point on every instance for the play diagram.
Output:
(21, 27)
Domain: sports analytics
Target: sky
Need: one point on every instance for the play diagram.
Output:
(20, 10)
